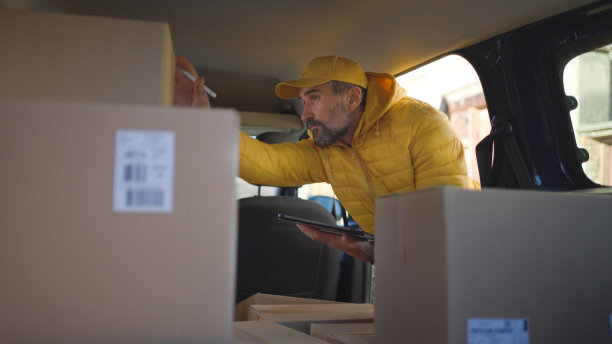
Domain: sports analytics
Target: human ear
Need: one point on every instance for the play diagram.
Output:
(354, 97)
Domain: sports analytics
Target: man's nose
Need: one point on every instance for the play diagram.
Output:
(306, 113)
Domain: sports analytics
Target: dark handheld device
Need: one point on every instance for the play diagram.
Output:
(355, 232)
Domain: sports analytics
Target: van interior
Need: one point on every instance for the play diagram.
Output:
(543, 67)
(244, 48)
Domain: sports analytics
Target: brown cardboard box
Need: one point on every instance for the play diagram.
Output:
(54, 56)
(300, 317)
(329, 332)
(354, 339)
(242, 309)
(457, 266)
(76, 269)
(269, 332)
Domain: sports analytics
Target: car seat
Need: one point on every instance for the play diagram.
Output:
(274, 256)
(355, 279)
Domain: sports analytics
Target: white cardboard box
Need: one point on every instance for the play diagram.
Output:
(541, 260)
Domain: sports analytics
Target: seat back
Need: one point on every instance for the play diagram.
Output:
(355, 279)
(275, 257)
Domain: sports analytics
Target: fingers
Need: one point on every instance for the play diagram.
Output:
(186, 65)
(349, 239)
(315, 234)
(360, 249)
(178, 76)
(306, 230)
(311, 232)
(200, 96)
(187, 92)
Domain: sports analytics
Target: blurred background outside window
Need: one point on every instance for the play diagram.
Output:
(588, 78)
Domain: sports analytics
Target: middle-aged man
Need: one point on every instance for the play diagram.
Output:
(367, 139)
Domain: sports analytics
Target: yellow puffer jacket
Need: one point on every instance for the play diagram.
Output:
(401, 144)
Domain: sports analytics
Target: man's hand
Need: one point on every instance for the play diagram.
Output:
(360, 249)
(186, 92)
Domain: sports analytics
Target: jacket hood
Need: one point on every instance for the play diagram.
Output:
(383, 92)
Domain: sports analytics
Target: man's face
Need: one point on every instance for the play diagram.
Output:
(325, 114)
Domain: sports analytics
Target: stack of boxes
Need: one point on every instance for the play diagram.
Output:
(117, 211)
(88, 256)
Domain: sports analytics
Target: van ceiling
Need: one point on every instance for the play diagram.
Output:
(277, 38)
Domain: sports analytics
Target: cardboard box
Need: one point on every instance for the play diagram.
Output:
(354, 339)
(330, 332)
(269, 332)
(300, 317)
(69, 57)
(457, 266)
(242, 309)
(77, 265)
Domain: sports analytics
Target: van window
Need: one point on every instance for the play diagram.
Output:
(451, 85)
(587, 78)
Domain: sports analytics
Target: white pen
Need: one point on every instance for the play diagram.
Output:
(193, 78)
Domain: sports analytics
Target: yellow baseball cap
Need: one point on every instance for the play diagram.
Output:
(321, 70)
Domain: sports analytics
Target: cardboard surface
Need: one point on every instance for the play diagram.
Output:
(269, 332)
(300, 317)
(312, 312)
(329, 332)
(242, 309)
(445, 255)
(354, 339)
(75, 271)
(54, 56)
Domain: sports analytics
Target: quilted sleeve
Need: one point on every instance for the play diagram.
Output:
(281, 164)
(437, 153)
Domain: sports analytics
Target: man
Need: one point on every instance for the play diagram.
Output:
(367, 139)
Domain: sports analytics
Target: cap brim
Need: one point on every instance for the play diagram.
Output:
(291, 89)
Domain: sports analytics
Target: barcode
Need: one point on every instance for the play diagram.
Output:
(135, 173)
(144, 197)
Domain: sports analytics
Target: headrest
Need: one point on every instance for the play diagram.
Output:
(276, 137)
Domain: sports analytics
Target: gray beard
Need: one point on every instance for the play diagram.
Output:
(323, 136)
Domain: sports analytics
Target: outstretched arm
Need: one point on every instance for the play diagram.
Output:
(192, 94)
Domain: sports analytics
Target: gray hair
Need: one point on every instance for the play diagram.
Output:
(340, 87)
